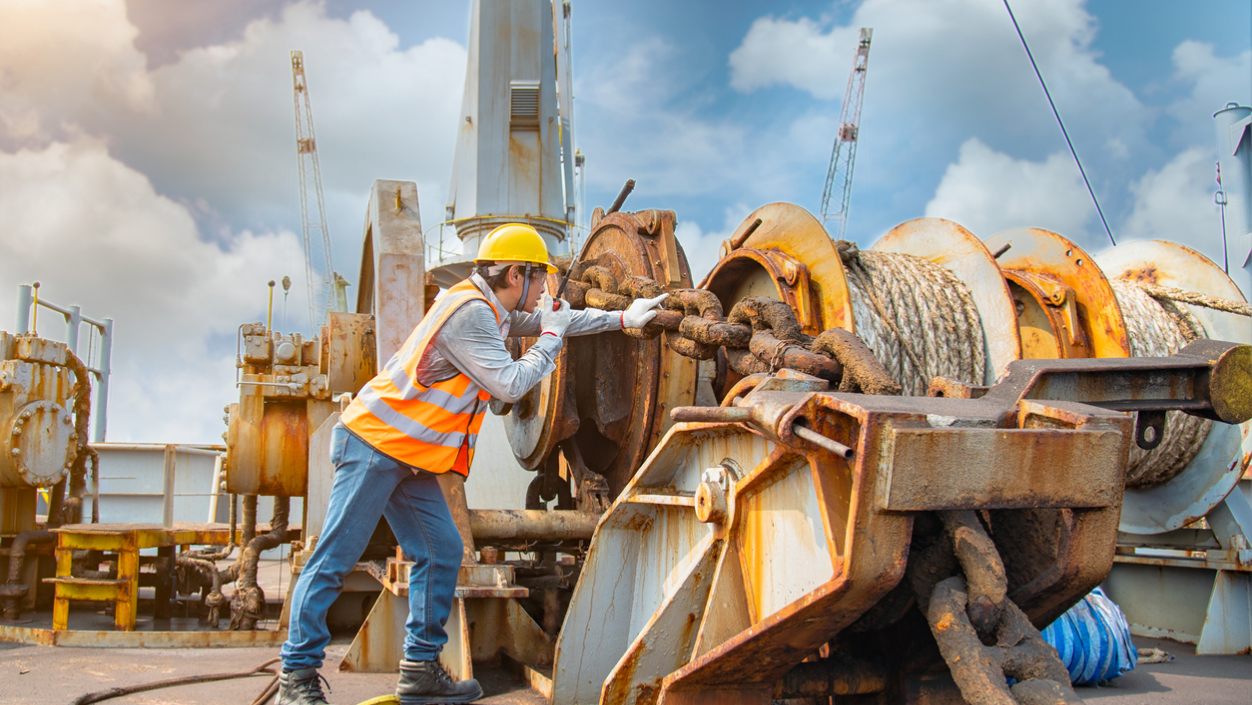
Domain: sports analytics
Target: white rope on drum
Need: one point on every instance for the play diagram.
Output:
(917, 317)
(1159, 327)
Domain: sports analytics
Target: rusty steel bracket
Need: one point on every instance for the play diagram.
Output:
(1208, 378)
(1149, 428)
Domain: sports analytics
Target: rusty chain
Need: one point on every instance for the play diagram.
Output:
(759, 335)
(961, 587)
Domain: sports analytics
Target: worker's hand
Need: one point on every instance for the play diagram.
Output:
(554, 321)
(641, 312)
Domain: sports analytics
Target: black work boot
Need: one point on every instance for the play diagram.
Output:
(301, 687)
(426, 683)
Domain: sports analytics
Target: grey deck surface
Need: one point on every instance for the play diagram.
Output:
(60, 674)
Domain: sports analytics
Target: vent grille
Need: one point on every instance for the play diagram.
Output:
(524, 103)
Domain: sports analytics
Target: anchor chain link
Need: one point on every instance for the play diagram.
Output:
(759, 335)
(961, 587)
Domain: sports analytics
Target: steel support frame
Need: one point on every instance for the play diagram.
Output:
(670, 611)
(1171, 592)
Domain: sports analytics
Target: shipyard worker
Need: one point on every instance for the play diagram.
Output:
(417, 419)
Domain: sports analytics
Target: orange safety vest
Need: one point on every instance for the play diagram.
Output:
(433, 428)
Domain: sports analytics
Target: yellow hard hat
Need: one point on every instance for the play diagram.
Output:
(514, 242)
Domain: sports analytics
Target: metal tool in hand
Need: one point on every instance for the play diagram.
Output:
(617, 204)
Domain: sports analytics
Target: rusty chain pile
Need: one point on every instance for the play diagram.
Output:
(759, 335)
(961, 587)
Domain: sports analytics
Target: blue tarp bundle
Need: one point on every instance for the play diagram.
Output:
(1093, 640)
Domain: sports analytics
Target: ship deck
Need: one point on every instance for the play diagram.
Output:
(37, 675)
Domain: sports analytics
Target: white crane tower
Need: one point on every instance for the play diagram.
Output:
(319, 272)
(843, 153)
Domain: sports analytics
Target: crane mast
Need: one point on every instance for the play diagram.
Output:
(843, 153)
(319, 273)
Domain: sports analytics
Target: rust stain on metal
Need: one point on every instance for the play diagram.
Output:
(1045, 256)
(1143, 274)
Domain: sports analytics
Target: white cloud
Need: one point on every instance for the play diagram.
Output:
(940, 67)
(703, 249)
(988, 191)
(94, 232)
(792, 52)
(1215, 81)
(224, 125)
(86, 131)
(215, 129)
(58, 58)
(1175, 203)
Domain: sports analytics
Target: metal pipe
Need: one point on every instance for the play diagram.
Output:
(818, 439)
(621, 196)
(23, 308)
(234, 518)
(167, 488)
(738, 242)
(711, 414)
(72, 321)
(14, 589)
(269, 316)
(102, 393)
(207, 567)
(191, 450)
(736, 414)
(34, 310)
(82, 417)
(95, 486)
(249, 519)
(247, 605)
(56, 503)
(216, 485)
(531, 524)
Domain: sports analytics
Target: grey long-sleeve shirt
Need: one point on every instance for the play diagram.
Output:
(471, 341)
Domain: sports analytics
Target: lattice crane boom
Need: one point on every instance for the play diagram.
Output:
(319, 270)
(843, 153)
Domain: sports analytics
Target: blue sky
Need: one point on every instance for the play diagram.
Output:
(147, 169)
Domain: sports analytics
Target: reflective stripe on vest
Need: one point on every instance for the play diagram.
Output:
(434, 428)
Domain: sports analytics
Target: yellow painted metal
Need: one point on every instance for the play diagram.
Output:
(122, 592)
(793, 231)
(138, 639)
(1047, 265)
(958, 250)
(126, 540)
(773, 274)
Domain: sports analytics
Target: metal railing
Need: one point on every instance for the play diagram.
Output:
(28, 303)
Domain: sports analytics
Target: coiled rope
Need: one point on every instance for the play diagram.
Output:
(1159, 327)
(919, 319)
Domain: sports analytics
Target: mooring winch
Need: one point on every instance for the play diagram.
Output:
(740, 549)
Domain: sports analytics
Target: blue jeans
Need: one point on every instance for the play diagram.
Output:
(367, 485)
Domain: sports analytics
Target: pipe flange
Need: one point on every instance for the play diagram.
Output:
(40, 445)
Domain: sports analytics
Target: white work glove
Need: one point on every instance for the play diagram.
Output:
(641, 312)
(554, 322)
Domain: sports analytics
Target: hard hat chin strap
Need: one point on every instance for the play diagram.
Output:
(525, 289)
